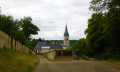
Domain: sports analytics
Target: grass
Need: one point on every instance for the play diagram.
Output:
(47, 58)
(64, 58)
(85, 57)
(14, 61)
(116, 64)
(69, 58)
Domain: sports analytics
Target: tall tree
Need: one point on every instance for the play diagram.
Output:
(111, 11)
(7, 24)
(20, 30)
(28, 27)
(31, 44)
(94, 38)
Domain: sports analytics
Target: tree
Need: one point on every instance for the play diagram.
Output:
(7, 24)
(94, 37)
(41, 40)
(28, 27)
(111, 11)
(20, 30)
(19, 36)
(34, 42)
(80, 46)
(31, 44)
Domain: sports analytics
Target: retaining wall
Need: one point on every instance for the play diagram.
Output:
(7, 42)
(51, 55)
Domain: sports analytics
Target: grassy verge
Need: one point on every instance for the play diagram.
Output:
(85, 57)
(47, 58)
(64, 58)
(14, 61)
(116, 64)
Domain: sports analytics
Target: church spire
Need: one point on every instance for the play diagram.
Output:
(66, 31)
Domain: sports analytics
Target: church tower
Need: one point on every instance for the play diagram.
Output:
(66, 37)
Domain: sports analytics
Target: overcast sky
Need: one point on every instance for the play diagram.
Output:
(51, 16)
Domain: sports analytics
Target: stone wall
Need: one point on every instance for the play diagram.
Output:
(10, 43)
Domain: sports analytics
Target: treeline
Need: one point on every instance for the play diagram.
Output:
(59, 41)
(21, 30)
(103, 32)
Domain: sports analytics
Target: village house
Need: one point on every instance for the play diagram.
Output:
(42, 47)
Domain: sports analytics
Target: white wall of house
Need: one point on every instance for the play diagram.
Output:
(45, 49)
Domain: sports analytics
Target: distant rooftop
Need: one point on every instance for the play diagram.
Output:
(41, 45)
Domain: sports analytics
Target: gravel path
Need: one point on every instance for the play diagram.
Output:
(73, 66)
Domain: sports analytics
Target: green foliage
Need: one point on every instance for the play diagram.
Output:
(13, 61)
(20, 30)
(72, 42)
(19, 35)
(103, 33)
(67, 52)
(55, 41)
(28, 27)
(94, 37)
(60, 41)
(85, 57)
(48, 41)
(41, 40)
(47, 58)
(80, 46)
(7, 24)
(32, 44)
(58, 52)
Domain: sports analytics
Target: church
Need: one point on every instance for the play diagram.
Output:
(66, 44)
(42, 47)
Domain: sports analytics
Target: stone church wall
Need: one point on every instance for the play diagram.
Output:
(10, 43)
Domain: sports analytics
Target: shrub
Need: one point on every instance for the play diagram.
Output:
(85, 57)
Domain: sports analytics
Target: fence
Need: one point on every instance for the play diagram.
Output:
(10, 43)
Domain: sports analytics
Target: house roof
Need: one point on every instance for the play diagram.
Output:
(66, 31)
(39, 45)
(52, 46)
(56, 46)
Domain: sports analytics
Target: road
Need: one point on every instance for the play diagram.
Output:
(73, 66)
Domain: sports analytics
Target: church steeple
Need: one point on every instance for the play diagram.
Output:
(66, 37)
(66, 31)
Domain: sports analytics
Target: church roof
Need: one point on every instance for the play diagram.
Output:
(66, 31)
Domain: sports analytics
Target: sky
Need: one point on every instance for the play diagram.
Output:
(51, 16)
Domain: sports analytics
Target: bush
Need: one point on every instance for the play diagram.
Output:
(58, 52)
(67, 52)
(85, 57)
(105, 56)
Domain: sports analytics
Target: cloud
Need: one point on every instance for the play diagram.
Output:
(51, 16)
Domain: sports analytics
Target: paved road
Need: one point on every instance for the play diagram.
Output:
(73, 66)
